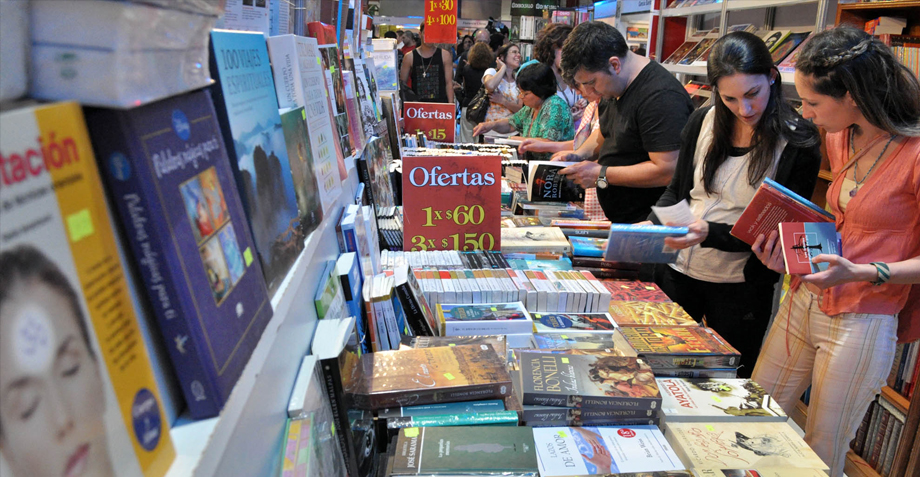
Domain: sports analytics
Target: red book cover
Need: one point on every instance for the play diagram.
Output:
(772, 204)
(803, 241)
(633, 290)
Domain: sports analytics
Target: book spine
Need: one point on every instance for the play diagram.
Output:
(610, 272)
(464, 419)
(413, 311)
(332, 379)
(601, 263)
(151, 250)
(595, 423)
(879, 438)
(585, 233)
(593, 402)
(861, 432)
(473, 392)
(892, 447)
(676, 362)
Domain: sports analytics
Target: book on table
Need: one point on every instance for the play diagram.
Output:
(643, 313)
(567, 451)
(465, 450)
(681, 347)
(709, 400)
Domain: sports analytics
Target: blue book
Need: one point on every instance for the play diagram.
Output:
(803, 241)
(170, 178)
(588, 246)
(247, 110)
(293, 122)
(348, 272)
(641, 243)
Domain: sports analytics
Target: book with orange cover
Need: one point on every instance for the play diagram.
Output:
(641, 313)
(681, 346)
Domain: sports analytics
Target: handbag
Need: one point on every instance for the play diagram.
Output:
(479, 106)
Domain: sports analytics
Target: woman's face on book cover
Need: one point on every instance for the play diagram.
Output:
(51, 392)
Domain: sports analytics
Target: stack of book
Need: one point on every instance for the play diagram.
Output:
(684, 351)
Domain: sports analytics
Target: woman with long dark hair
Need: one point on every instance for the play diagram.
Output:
(726, 152)
(837, 329)
(503, 100)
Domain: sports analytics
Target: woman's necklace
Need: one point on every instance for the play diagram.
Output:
(856, 163)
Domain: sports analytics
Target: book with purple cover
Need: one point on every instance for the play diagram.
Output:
(168, 172)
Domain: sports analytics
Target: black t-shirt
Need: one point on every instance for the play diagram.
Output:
(471, 81)
(648, 117)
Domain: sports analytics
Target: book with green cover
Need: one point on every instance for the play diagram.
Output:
(460, 450)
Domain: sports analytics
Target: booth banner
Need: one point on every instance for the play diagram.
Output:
(435, 120)
(441, 21)
(451, 203)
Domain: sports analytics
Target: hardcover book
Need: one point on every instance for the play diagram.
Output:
(247, 111)
(172, 184)
(565, 322)
(465, 450)
(484, 318)
(300, 81)
(713, 400)
(443, 408)
(679, 53)
(740, 445)
(535, 239)
(772, 204)
(803, 241)
(681, 346)
(588, 246)
(633, 290)
(69, 335)
(477, 418)
(613, 342)
(587, 380)
(544, 183)
(642, 243)
(430, 375)
(293, 122)
(580, 415)
(641, 313)
(567, 451)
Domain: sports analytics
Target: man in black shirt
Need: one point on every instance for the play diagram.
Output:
(643, 112)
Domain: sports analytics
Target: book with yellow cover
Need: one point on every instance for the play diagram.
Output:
(642, 313)
(79, 393)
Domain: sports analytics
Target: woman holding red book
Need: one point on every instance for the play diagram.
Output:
(837, 329)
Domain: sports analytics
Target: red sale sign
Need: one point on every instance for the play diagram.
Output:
(452, 203)
(441, 21)
(435, 120)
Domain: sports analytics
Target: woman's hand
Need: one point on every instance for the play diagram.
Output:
(770, 252)
(482, 128)
(699, 230)
(499, 64)
(497, 98)
(533, 144)
(583, 174)
(839, 271)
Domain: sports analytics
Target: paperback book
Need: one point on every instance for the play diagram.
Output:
(642, 243)
(429, 375)
(477, 418)
(498, 342)
(484, 318)
(613, 343)
(803, 241)
(744, 445)
(642, 313)
(585, 415)
(306, 190)
(565, 322)
(568, 451)
(681, 347)
(464, 407)
(171, 181)
(65, 305)
(247, 111)
(465, 450)
(587, 381)
(715, 400)
(544, 183)
(588, 246)
(633, 290)
(772, 204)
(535, 239)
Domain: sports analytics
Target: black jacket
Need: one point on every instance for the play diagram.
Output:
(797, 170)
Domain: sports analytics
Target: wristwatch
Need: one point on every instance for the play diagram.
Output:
(601, 182)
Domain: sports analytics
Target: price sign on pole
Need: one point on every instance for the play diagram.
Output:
(435, 120)
(452, 203)
(441, 21)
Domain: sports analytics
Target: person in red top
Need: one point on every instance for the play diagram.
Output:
(837, 329)
(408, 40)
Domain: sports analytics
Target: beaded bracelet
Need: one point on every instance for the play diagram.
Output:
(884, 274)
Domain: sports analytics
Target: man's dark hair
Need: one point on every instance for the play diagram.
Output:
(390, 34)
(538, 79)
(590, 46)
(496, 41)
(552, 36)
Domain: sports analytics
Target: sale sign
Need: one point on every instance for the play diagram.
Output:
(452, 203)
(441, 21)
(435, 120)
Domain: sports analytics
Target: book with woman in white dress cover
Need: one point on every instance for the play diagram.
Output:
(740, 445)
(696, 400)
(565, 451)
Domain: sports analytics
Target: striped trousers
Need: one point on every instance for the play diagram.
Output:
(845, 358)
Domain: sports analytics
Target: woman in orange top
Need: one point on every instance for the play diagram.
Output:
(837, 331)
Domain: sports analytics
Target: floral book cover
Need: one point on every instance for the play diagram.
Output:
(430, 375)
(587, 380)
(642, 313)
(681, 346)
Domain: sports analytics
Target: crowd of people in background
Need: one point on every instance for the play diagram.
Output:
(635, 140)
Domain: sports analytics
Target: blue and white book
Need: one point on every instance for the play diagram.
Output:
(803, 241)
(247, 110)
(349, 274)
(642, 243)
